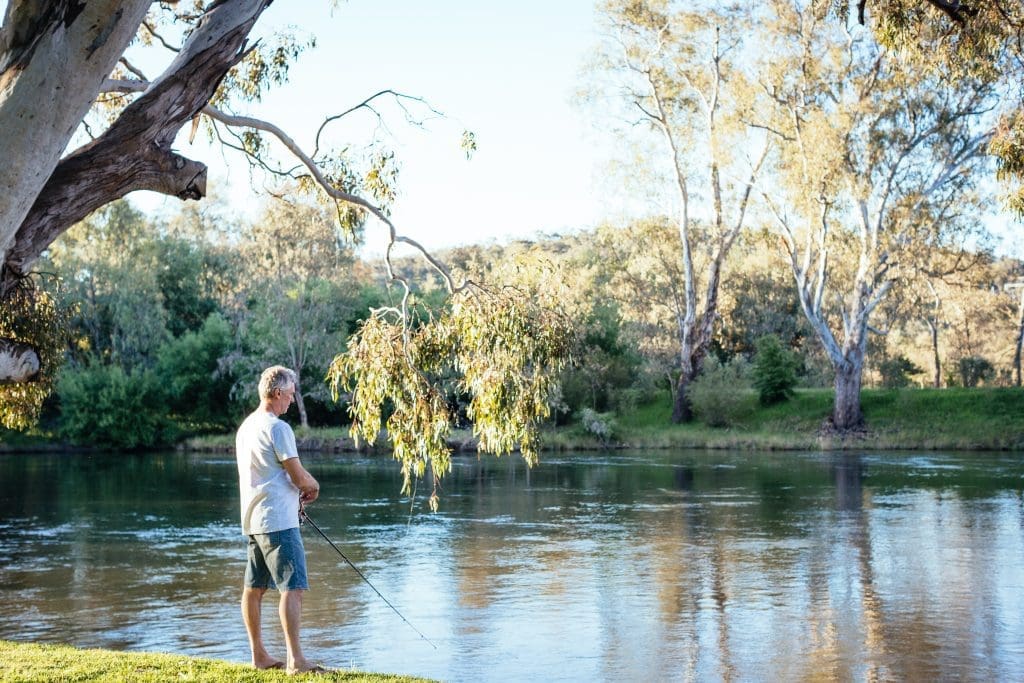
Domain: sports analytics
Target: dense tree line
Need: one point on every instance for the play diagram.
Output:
(171, 319)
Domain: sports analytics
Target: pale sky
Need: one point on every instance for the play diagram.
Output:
(506, 71)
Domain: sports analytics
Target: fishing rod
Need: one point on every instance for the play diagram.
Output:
(303, 516)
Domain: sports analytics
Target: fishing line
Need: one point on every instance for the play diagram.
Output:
(305, 517)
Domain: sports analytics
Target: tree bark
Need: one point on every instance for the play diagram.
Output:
(933, 326)
(1020, 339)
(18, 362)
(846, 413)
(54, 56)
(135, 152)
(300, 404)
(682, 409)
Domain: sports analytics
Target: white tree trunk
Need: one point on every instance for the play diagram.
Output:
(18, 362)
(136, 153)
(54, 56)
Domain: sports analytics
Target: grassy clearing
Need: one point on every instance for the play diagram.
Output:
(31, 662)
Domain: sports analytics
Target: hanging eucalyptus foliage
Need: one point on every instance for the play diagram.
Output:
(501, 349)
(30, 317)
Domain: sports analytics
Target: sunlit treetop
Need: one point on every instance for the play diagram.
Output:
(981, 39)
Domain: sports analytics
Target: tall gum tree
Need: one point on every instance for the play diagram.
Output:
(57, 59)
(675, 72)
(959, 39)
(871, 158)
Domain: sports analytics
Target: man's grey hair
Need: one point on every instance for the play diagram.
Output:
(276, 377)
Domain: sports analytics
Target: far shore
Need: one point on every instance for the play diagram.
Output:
(895, 419)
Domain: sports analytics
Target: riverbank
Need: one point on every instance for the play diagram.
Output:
(895, 419)
(32, 662)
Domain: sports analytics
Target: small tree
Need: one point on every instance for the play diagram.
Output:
(896, 372)
(974, 370)
(774, 371)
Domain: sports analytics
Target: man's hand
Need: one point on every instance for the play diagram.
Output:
(308, 495)
(309, 488)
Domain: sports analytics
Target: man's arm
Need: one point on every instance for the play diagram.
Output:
(308, 487)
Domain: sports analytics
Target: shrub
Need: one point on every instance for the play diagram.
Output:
(103, 405)
(774, 372)
(974, 370)
(718, 395)
(896, 372)
(600, 425)
(198, 389)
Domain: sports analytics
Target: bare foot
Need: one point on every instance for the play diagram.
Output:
(308, 669)
(268, 662)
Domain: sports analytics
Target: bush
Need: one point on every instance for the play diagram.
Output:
(718, 395)
(774, 372)
(896, 372)
(198, 388)
(600, 425)
(974, 370)
(102, 405)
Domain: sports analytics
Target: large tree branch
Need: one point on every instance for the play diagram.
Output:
(135, 152)
(53, 58)
(956, 10)
(309, 162)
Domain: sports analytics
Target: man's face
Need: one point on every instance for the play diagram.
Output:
(282, 399)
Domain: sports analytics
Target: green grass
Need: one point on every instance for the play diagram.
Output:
(969, 419)
(31, 662)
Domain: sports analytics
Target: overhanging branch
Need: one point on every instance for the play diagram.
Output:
(135, 152)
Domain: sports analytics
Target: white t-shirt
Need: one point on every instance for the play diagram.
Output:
(270, 501)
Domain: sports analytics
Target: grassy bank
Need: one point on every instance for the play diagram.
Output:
(896, 419)
(30, 662)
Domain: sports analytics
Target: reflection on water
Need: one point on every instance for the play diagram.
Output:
(665, 566)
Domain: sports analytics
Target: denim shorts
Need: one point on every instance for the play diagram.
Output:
(277, 560)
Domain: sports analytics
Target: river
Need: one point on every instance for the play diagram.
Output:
(632, 566)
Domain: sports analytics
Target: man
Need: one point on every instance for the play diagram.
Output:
(273, 484)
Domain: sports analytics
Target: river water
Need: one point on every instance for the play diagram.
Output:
(636, 566)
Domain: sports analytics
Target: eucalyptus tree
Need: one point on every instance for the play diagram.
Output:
(933, 293)
(640, 270)
(873, 159)
(676, 72)
(960, 39)
(295, 264)
(61, 60)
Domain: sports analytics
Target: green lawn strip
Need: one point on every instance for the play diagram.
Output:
(969, 419)
(32, 662)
